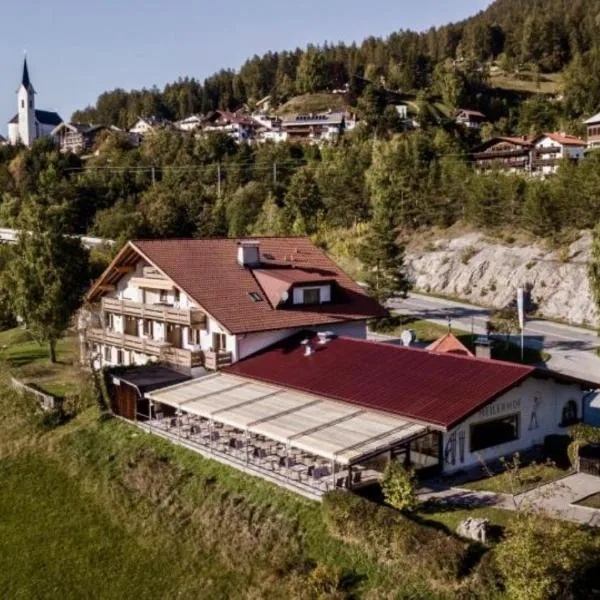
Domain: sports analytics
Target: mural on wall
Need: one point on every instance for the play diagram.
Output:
(533, 422)
(461, 445)
(450, 450)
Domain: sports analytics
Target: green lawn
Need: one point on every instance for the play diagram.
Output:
(547, 83)
(28, 361)
(528, 478)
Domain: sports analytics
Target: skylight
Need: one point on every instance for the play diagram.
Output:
(255, 296)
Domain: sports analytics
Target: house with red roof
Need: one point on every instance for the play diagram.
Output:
(449, 343)
(512, 154)
(552, 148)
(197, 304)
(318, 411)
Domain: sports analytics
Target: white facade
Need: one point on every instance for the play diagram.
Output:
(536, 406)
(190, 123)
(202, 338)
(556, 151)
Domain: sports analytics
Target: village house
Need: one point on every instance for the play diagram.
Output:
(315, 412)
(315, 128)
(512, 154)
(549, 149)
(203, 304)
(593, 131)
(147, 124)
(241, 128)
(77, 137)
(472, 119)
(191, 123)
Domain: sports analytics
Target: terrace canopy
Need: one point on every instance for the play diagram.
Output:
(340, 431)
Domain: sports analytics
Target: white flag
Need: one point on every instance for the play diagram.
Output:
(521, 307)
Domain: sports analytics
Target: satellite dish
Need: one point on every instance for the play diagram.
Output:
(283, 297)
(408, 336)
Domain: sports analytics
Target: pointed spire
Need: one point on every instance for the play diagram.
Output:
(25, 81)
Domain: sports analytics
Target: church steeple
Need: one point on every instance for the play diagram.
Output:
(25, 81)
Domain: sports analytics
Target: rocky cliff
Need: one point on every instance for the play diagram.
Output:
(474, 268)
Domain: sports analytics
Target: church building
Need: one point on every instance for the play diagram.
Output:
(30, 124)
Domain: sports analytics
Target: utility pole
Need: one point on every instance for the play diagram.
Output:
(153, 170)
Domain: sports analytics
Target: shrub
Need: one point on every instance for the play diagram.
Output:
(530, 574)
(398, 487)
(467, 254)
(391, 537)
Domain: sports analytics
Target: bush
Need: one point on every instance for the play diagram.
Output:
(398, 487)
(391, 537)
(530, 574)
(467, 254)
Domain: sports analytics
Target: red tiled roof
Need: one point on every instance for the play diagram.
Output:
(449, 343)
(207, 270)
(564, 139)
(439, 389)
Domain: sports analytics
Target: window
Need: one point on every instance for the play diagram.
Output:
(107, 353)
(569, 413)
(164, 296)
(219, 342)
(22, 103)
(119, 357)
(195, 340)
(493, 433)
(148, 328)
(311, 296)
(111, 321)
(255, 296)
(177, 296)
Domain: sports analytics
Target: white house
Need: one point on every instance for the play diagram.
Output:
(593, 131)
(471, 119)
(191, 123)
(30, 124)
(145, 125)
(551, 148)
(197, 304)
(357, 405)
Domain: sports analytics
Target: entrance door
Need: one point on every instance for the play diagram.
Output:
(219, 342)
(174, 336)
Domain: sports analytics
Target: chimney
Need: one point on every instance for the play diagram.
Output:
(248, 253)
(308, 349)
(324, 336)
(483, 347)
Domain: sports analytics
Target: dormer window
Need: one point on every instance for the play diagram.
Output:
(311, 296)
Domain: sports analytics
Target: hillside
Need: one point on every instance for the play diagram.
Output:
(547, 36)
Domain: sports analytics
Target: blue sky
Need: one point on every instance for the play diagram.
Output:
(76, 50)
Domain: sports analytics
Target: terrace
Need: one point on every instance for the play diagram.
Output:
(302, 442)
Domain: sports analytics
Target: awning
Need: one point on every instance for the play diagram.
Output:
(335, 430)
(148, 378)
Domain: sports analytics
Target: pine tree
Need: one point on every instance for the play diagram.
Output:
(383, 256)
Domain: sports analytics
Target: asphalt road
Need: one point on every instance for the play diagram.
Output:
(571, 348)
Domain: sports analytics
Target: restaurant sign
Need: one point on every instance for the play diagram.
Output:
(497, 409)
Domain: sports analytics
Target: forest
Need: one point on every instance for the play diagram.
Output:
(450, 62)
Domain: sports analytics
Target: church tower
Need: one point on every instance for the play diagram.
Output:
(26, 111)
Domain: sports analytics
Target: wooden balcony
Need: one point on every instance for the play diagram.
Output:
(157, 312)
(183, 359)
(214, 361)
(129, 342)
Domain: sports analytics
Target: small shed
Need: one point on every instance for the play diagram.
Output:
(127, 389)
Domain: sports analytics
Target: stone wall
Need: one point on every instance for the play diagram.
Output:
(485, 272)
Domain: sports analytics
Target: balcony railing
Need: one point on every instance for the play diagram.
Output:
(156, 312)
(188, 359)
(217, 360)
(129, 342)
